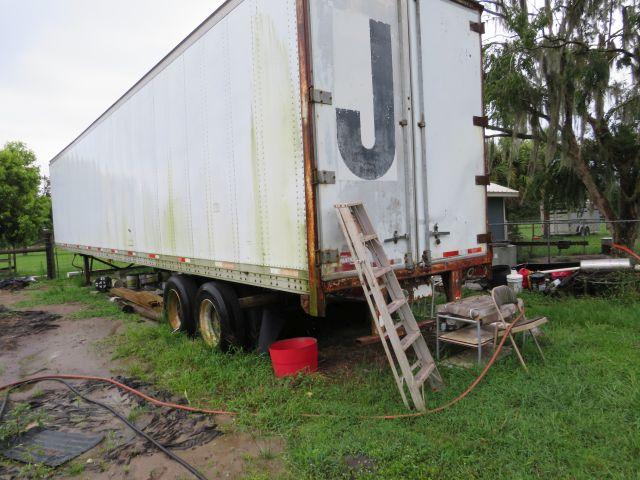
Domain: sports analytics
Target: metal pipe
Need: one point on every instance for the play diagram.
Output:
(607, 264)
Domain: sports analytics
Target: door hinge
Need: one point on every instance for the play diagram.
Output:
(327, 256)
(481, 121)
(320, 96)
(408, 261)
(484, 238)
(477, 27)
(483, 180)
(324, 177)
(404, 122)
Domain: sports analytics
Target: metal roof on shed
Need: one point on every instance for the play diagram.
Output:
(495, 190)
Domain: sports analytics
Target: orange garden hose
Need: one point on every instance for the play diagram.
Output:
(626, 250)
(186, 408)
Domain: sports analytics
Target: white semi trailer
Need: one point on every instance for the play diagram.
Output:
(223, 163)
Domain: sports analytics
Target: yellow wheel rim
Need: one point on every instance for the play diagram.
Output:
(173, 310)
(209, 321)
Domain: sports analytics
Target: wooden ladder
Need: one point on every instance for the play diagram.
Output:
(376, 274)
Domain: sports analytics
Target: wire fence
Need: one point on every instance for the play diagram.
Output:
(553, 240)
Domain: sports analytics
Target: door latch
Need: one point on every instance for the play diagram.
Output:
(436, 233)
(396, 237)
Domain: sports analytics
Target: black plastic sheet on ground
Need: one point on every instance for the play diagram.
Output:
(49, 447)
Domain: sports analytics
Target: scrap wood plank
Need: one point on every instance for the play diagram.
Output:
(144, 299)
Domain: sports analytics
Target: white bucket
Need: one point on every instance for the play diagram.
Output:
(514, 280)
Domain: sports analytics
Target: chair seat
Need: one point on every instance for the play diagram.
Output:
(477, 307)
(523, 326)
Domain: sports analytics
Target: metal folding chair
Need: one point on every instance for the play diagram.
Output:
(510, 309)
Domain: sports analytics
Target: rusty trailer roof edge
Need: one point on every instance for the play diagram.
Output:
(207, 24)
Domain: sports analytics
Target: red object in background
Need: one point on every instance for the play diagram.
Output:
(563, 274)
(525, 277)
(294, 355)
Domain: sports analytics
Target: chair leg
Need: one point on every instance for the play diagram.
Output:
(515, 347)
(544, 359)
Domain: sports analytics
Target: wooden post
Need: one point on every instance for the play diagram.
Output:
(50, 254)
(87, 270)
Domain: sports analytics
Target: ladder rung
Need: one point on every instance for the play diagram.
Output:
(395, 305)
(379, 272)
(368, 238)
(424, 373)
(409, 339)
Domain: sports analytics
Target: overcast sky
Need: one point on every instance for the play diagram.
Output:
(64, 62)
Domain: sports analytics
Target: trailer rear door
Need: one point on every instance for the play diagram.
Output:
(362, 136)
(450, 57)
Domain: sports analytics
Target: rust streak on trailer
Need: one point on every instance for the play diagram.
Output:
(314, 303)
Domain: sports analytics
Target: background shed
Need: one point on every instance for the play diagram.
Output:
(497, 212)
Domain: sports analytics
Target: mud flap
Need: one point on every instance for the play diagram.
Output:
(270, 329)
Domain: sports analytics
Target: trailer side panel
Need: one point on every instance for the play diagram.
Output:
(201, 167)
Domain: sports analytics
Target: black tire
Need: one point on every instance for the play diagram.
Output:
(179, 296)
(218, 316)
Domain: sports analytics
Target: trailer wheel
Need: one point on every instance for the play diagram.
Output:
(179, 294)
(219, 317)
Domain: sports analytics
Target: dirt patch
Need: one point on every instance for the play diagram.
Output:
(173, 428)
(73, 346)
(229, 456)
(65, 309)
(68, 347)
(17, 324)
(122, 454)
(8, 298)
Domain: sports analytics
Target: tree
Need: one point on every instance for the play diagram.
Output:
(512, 163)
(566, 76)
(24, 212)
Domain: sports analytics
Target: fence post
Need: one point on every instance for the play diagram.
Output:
(50, 254)
(87, 269)
(548, 225)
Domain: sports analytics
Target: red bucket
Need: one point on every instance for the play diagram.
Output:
(294, 355)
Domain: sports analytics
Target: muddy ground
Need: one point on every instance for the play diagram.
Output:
(73, 346)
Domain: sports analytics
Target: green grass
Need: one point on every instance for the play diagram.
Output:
(574, 417)
(36, 264)
(57, 292)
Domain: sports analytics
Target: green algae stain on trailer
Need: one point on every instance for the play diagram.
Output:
(279, 145)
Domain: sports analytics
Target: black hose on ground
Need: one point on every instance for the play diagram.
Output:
(150, 439)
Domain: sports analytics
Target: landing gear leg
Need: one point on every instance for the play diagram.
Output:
(452, 285)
